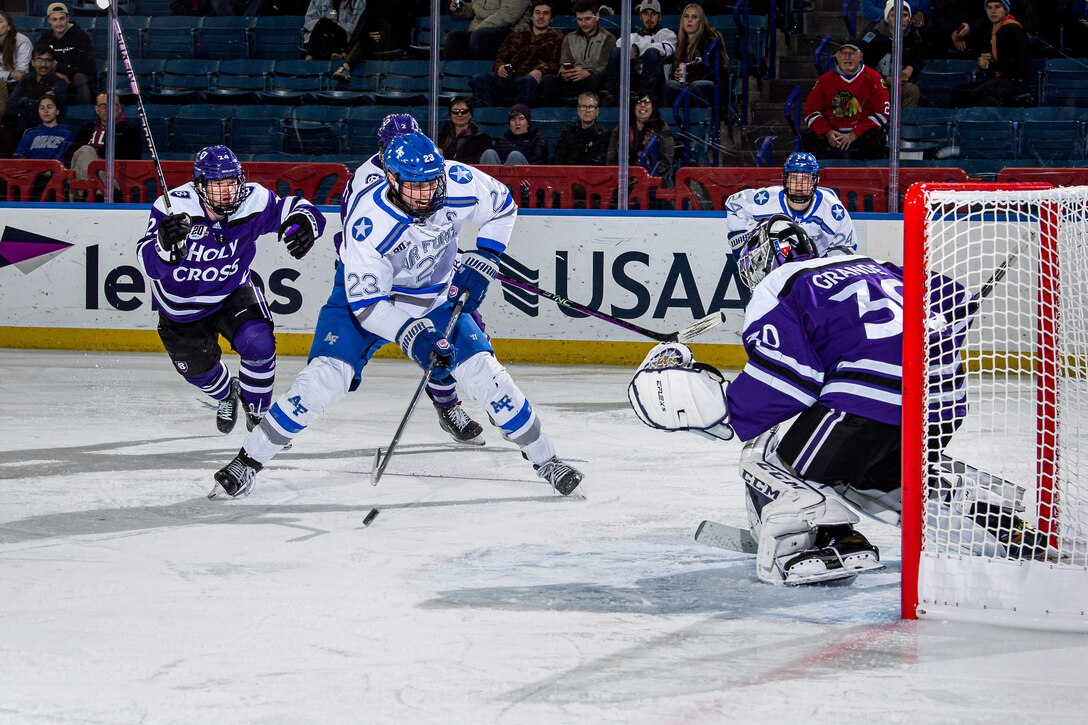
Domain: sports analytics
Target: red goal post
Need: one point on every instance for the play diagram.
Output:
(995, 516)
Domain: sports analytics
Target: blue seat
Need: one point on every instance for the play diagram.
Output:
(551, 120)
(32, 25)
(988, 133)
(361, 128)
(240, 81)
(159, 120)
(1065, 82)
(277, 37)
(258, 129)
(171, 36)
(939, 77)
(295, 82)
(198, 125)
(152, 7)
(495, 121)
(315, 130)
(406, 90)
(925, 130)
(1052, 134)
(456, 75)
(184, 81)
(224, 37)
(78, 114)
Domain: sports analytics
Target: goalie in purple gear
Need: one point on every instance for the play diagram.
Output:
(823, 337)
(441, 390)
(198, 260)
(396, 280)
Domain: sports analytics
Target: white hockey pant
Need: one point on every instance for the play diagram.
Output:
(320, 385)
(486, 381)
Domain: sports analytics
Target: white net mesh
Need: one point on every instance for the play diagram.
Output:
(1007, 276)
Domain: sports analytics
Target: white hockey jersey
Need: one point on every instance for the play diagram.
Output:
(826, 220)
(397, 268)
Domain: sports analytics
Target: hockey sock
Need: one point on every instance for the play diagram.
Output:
(443, 394)
(215, 382)
(256, 344)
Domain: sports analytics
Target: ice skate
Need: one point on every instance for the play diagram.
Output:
(563, 477)
(840, 553)
(455, 421)
(226, 413)
(236, 478)
(1020, 539)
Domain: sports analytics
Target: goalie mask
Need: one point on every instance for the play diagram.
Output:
(672, 392)
(778, 242)
(416, 173)
(219, 180)
(800, 176)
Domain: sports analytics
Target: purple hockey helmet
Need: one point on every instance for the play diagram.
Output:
(216, 163)
(393, 125)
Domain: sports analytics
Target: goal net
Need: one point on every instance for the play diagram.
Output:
(995, 392)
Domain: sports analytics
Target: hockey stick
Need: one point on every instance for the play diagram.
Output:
(143, 113)
(379, 462)
(987, 287)
(686, 334)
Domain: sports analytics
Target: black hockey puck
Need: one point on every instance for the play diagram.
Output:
(370, 517)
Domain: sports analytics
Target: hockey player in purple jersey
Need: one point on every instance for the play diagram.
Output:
(395, 281)
(824, 342)
(441, 389)
(198, 260)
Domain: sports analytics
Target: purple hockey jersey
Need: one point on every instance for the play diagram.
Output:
(830, 330)
(220, 253)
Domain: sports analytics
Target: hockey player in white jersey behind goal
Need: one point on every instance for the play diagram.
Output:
(824, 342)
(396, 280)
(802, 200)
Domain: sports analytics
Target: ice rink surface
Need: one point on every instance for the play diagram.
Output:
(477, 596)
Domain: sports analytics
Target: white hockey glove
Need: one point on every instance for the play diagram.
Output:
(671, 392)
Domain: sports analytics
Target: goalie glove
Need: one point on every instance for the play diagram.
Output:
(298, 232)
(419, 340)
(691, 397)
(474, 276)
(172, 235)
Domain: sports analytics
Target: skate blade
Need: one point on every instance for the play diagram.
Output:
(475, 442)
(215, 490)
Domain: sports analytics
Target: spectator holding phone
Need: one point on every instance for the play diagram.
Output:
(583, 58)
(522, 61)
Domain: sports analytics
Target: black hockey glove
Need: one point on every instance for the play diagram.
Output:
(297, 233)
(474, 276)
(419, 340)
(173, 231)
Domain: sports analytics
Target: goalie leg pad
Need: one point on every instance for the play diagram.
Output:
(320, 385)
(676, 399)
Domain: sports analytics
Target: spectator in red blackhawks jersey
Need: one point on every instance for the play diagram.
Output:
(73, 52)
(846, 114)
(198, 260)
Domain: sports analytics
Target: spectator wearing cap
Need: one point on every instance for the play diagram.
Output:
(876, 12)
(522, 61)
(73, 52)
(521, 144)
(1004, 76)
(652, 47)
(459, 138)
(846, 113)
(649, 139)
(876, 49)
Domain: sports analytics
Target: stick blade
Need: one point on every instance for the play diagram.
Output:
(376, 468)
(700, 327)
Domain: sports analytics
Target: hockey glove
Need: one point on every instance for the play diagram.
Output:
(297, 232)
(474, 276)
(173, 231)
(419, 340)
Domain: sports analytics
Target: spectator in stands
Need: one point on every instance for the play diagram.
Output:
(73, 53)
(1004, 76)
(14, 55)
(652, 47)
(492, 21)
(583, 59)
(584, 143)
(876, 12)
(876, 49)
(328, 26)
(50, 139)
(649, 139)
(521, 144)
(459, 138)
(523, 60)
(698, 47)
(89, 143)
(383, 31)
(249, 8)
(846, 114)
(21, 111)
(1072, 19)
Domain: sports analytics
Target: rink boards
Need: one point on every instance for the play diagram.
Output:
(69, 279)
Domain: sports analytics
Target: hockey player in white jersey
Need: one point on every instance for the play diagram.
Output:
(198, 260)
(395, 279)
(800, 198)
(441, 388)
